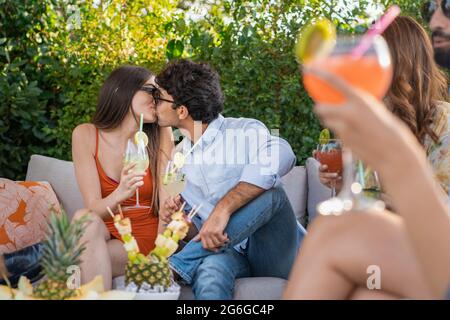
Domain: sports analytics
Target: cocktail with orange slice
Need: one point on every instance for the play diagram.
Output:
(320, 49)
(363, 62)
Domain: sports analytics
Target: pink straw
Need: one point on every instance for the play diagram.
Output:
(377, 29)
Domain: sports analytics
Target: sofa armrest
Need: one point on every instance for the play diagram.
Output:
(295, 186)
(317, 192)
(61, 176)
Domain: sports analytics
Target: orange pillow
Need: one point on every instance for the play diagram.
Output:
(24, 209)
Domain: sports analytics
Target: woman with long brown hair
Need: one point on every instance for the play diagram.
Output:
(418, 95)
(348, 256)
(98, 150)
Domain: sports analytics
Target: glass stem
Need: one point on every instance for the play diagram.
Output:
(333, 188)
(137, 197)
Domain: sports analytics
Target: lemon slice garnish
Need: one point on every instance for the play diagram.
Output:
(140, 135)
(324, 136)
(315, 40)
(178, 160)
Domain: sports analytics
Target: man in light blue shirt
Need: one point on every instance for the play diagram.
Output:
(246, 226)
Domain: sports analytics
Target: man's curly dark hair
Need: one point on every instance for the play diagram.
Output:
(194, 85)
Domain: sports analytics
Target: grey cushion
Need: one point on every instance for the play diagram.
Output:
(61, 176)
(317, 192)
(258, 288)
(261, 288)
(295, 185)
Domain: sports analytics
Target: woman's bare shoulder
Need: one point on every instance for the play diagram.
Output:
(84, 130)
(84, 134)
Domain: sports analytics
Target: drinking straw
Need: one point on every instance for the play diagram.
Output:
(110, 212)
(361, 173)
(194, 212)
(378, 28)
(120, 211)
(190, 212)
(192, 148)
(141, 124)
(168, 167)
(182, 207)
(173, 167)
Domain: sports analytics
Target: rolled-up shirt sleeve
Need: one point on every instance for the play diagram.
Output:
(269, 157)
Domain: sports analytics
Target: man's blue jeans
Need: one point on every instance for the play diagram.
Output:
(273, 240)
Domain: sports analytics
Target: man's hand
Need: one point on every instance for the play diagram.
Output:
(171, 205)
(212, 233)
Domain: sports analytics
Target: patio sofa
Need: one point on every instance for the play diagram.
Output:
(301, 185)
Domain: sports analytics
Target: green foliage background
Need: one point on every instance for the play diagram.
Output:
(55, 54)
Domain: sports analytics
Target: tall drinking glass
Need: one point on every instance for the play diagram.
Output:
(330, 154)
(173, 180)
(136, 154)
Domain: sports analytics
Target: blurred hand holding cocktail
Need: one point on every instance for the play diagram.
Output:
(329, 154)
(361, 61)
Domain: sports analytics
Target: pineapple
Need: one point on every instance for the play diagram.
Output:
(61, 250)
(152, 272)
(140, 269)
(153, 269)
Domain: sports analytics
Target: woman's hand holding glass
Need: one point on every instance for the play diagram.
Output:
(130, 180)
(137, 155)
(329, 155)
(329, 179)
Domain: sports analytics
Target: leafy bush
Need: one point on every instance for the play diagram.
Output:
(23, 103)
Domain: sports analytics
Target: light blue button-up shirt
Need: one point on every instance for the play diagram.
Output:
(232, 150)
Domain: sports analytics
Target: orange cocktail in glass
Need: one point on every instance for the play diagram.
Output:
(329, 153)
(371, 72)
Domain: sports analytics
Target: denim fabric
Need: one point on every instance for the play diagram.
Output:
(216, 274)
(273, 241)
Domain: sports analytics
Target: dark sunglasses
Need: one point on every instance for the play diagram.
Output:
(430, 7)
(156, 94)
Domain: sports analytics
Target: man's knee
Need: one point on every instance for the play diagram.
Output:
(222, 267)
(276, 198)
(213, 279)
(211, 267)
(278, 194)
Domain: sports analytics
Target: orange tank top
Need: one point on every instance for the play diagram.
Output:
(144, 223)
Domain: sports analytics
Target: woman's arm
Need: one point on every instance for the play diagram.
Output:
(419, 199)
(165, 153)
(83, 151)
(363, 123)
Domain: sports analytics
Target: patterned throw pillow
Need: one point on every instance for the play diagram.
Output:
(24, 209)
